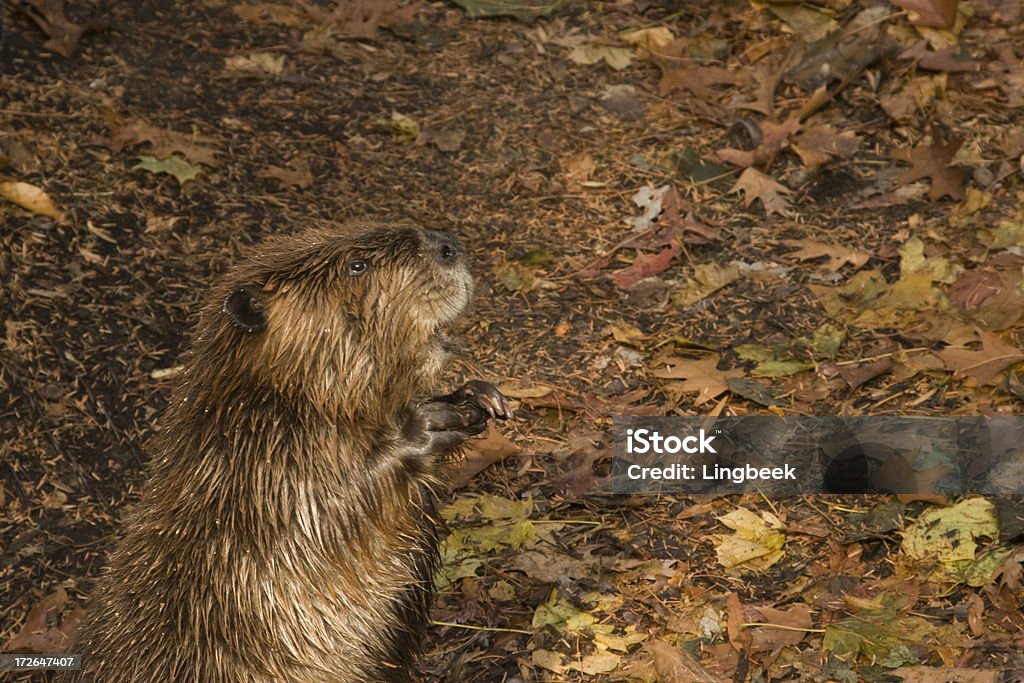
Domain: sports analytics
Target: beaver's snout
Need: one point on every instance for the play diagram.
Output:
(444, 248)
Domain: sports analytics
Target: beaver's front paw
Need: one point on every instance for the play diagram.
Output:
(484, 396)
(437, 427)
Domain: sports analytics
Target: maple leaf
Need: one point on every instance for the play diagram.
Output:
(757, 185)
(932, 161)
(700, 375)
(994, 356)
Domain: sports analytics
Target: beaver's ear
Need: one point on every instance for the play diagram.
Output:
(245, 310)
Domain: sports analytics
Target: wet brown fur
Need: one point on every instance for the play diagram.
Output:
(286, 532)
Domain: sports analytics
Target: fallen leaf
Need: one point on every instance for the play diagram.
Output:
(949, 535)
(481, 454)
(256, 64)
(360, 18)
(818, 145)
(707, 279)
(757, 539)
(938, 60)
(404, 128)
(182, 171)
(37, 635)
(934, 13)
(778, 628)
(270, 13)
(649, 38)
(984, 364)
(838, 256)
(588, 53)
(650, 200)
(525, 10)
(298, 174)
(29, 197)
(49, 15)
(757, 185)
(445, 139)
(196, 148)
(683, 73)
(700, 375)
(932, 161)
(646, 265)
(578, 169)
(677, 666)
(774, 138)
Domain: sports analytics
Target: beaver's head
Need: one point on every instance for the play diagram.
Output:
(350, 318)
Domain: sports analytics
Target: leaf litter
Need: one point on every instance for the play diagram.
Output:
(827, 220)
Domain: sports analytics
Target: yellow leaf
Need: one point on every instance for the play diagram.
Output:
(29, 197)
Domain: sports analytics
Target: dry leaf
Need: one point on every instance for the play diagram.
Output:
(29, 197)
(676, 666)
(757, 185)
(934, 13)
(816, 146)
(700, 375)
(838, 255)
(298, 174)
(984, 364)
(932, 161)
(774, 139)
(646, 265)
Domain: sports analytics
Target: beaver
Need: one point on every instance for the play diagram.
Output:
(287, 531)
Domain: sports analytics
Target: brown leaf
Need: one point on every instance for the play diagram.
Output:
(817, 145)
(482, 453)
(757, 185)
(50, 17)
(37, 636)
(775, 138)
(676, 666)
(935, 13)
(838, 255)
(739, 636)
(984, 364)
(939, 60)
(130, 133)
(793, 626)
(700, 375)
(298, 174)
(683, 73)
(932, 161)
(646, 265)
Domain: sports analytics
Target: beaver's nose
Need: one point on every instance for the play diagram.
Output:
(444, 247)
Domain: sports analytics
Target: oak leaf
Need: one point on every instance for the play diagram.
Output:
(757, 185)
(838, 255)
(994, 356)
(699, 375)
(932, 161)
(775, 138)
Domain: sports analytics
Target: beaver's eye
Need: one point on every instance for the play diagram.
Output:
(358, 266)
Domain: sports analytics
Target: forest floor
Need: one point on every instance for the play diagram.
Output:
(704, 209)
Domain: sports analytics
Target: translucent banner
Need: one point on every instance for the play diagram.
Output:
(796, 455)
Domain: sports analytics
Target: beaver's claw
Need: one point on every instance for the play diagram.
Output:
(483, 395)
